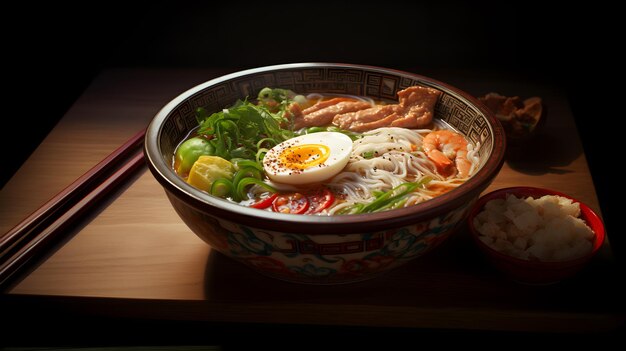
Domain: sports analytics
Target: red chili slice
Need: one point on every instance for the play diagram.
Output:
(264, 202)
(295, 203)
(320, 200)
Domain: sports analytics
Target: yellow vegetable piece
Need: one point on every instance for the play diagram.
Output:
(207, 169)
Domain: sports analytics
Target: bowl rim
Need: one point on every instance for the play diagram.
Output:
(587, 214)
(323, 224)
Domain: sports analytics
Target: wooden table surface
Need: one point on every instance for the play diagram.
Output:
(133, 257)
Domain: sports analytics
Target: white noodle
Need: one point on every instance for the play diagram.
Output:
(317, 97)
(385, 158)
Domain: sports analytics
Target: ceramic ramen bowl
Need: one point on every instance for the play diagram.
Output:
(321, 249)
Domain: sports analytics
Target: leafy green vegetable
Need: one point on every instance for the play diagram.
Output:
(278, 95)
(239, 131)
(243, 134)
(278, 100)
(201, 115)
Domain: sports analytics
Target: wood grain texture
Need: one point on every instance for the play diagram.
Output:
(135, 257)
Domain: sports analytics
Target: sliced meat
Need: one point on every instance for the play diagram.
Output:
(414, 110)
(357, 121)
(502, 105)
(362, 126)
(293, 112)
(325, 103)
(325, 115)
(519, 118)
(406, 121)
(419, 104)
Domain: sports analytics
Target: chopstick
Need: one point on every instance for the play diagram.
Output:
(40, 229)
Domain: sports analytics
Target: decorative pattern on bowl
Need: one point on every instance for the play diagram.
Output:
(378, 84)
(321, 259)
(321, 249)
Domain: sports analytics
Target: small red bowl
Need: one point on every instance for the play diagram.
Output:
(536, 272)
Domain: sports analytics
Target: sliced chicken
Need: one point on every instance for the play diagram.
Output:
(364, 120)
(414, 110)
(325, 103)
(419, 104)
(321, 116)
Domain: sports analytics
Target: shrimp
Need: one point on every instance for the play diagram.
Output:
(444, 146)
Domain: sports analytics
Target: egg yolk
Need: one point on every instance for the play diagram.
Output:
(304, 156)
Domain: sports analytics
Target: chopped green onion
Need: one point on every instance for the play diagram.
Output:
(368, 154)
(260, 154)
(201, 115)
(314, 130)
(246, 172)
(389, 197)
(394, 204)
(270, 141)
(241, 163)
(353, 209)
(301, 99)
(422, 182)
(240, 191)
(241, 130)
(222, 187)
(242, 152)
(265, 93)
(377, 193)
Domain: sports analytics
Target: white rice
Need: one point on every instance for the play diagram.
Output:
(544, 229)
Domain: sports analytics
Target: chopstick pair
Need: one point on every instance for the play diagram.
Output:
(46, 225)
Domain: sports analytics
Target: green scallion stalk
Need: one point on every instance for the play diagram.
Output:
(389, 197)
(241, 163)
(240, 191)
(314, 130)
(260, 154)
(368, 154)
(246, 172)
(222, 187)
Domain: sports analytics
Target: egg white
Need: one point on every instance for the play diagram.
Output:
(340, 146)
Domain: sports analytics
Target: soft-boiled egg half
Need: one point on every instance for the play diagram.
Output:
(308, 158)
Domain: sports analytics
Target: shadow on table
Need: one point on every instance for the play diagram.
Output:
(454, 277)
(546, 153)
(228, 280)
(555, 146)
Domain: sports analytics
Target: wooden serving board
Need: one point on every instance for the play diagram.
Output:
(134, 252)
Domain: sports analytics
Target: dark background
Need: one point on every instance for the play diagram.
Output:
(60, 48)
